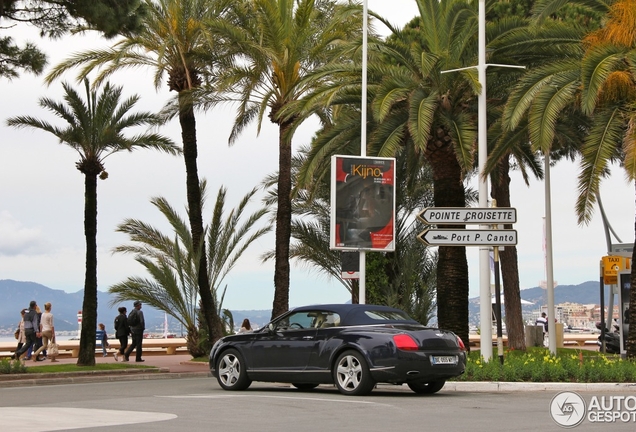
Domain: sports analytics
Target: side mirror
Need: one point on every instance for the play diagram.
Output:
(270, 327)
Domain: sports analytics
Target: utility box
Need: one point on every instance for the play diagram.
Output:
(559, 334)
(534, 336)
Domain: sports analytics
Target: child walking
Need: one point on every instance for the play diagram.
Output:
(103, 337)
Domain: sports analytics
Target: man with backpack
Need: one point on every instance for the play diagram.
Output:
(137, 326)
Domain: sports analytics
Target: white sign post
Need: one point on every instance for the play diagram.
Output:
(467, 215)
(464, 237)
(484, 238)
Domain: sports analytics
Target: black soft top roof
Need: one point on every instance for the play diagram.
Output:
(356, 314)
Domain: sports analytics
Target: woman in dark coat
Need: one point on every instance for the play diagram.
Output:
(121, 331)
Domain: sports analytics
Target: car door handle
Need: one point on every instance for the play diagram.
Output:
(308, 337)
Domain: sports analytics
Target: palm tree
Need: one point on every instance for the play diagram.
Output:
(173, 42)
(608, 72)
(599, 82)
(172, 260)
(280, 42)
(417, 106)
(95, 131)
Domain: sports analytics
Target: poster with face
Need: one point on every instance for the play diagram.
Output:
(362, 203)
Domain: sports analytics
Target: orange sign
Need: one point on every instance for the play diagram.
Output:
(612, 265)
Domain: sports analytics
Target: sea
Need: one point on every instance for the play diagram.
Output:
(6, 339)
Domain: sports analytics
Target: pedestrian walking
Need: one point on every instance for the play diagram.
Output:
(121, 332)
(21, 336)
(102, 336)
(137, 326)
(31, 330)
(47, 329)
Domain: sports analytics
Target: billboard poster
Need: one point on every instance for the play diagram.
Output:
(362, 203)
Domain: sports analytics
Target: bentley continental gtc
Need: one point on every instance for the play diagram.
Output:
(351, 346)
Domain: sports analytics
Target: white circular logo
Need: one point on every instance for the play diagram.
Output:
(567, 409)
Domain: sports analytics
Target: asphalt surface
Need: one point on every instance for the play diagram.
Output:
(180, 366)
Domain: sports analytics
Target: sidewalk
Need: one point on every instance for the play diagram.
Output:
(163, 367)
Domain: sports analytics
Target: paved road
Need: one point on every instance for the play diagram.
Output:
(191, 404)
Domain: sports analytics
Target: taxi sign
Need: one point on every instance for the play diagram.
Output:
(612, 265)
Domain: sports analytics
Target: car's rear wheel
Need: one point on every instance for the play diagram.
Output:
(231, 373)
(426, 387)
(304, 386)
(351, 374)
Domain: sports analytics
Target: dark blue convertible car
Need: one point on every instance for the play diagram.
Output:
(351, 346)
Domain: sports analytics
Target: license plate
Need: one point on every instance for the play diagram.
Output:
(447, 360)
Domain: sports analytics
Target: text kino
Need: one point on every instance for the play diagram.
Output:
(365, 171)
(496, 215)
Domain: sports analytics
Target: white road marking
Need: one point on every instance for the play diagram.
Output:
(274, 397)
(44, 419)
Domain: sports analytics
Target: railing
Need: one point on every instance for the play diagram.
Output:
(70, 348)
(578, 339)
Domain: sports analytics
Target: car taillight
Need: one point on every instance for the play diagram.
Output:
(460, 342)
(405, 342)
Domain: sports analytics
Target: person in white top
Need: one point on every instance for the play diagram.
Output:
(48, 331)
(245, 327)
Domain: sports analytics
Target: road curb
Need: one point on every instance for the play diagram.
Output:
(493, 387)
(83, 377)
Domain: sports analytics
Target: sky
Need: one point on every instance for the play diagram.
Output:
(42, 198)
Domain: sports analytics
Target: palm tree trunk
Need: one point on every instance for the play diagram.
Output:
(86, 356)
(509, 265)
(631, 334)
(283, 223)
(192, 342)
(193, 187)
(452, 266)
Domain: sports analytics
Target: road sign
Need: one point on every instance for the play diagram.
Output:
(622, 249)
(467, 215)
(612, 265)
(463, 237)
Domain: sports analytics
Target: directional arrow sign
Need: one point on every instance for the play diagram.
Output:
(463, 237)
(467, 215)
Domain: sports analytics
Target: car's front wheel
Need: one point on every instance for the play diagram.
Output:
(426, 387)
(351, 374)
(231, 373)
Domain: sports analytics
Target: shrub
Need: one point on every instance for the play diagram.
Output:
(538, 365)
(8, 366)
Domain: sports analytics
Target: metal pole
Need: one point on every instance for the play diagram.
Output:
(500, 351)
(363, 136)
(549, 260)
(602, 288)
(485, 308)
(613, 287)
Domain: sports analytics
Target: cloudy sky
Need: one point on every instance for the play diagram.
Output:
(42, 198)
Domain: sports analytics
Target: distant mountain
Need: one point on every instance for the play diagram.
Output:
(584, 293)
(16, 295)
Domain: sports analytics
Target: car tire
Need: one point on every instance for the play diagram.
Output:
(351, 374)
(231, 371)
(426, 387)
(305, 386)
